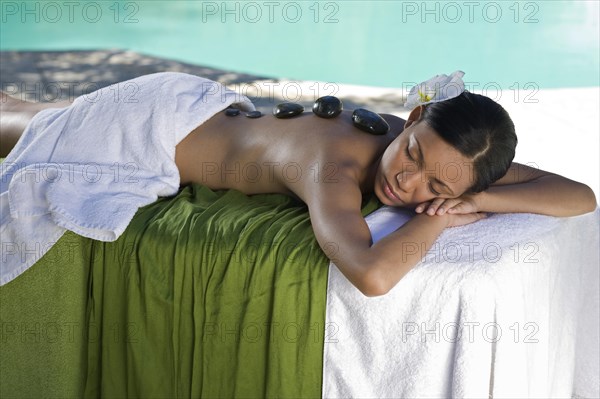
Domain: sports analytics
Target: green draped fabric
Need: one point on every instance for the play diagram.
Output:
(207, 293)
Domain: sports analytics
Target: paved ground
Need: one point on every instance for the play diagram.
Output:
(37, 75)
(558, 129)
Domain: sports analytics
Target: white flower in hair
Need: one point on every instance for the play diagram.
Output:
(439, 88)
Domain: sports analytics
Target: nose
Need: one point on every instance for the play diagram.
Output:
(408, 180)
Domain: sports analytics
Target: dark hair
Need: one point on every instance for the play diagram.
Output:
(480, 129)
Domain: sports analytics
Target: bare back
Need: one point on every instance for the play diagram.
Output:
(288, 156)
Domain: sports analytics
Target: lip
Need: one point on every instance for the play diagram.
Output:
(387, 189)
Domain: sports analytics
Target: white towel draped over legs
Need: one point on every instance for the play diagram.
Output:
(88, 167)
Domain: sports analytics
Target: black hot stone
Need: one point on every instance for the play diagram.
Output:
(232, 112)
(369, 121)
(327, 107)
(254, 114)
(287, 110)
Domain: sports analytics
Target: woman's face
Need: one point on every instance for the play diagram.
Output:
(419, 166)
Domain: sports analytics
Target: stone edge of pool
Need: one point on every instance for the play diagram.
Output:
(37, 76)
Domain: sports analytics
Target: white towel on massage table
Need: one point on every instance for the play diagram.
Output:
(523, 289)
(88, 167)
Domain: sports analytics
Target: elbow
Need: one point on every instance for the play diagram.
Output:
(590, 204)
(593, 200)
(373, 284)
(374, 276)
(582, 200)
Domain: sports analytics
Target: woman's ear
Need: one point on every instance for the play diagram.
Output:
(414, 116)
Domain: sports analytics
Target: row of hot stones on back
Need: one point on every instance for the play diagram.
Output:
(325, 107)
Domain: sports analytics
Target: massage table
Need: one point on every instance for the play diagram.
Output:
(218, 294)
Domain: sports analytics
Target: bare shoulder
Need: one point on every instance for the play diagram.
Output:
(393, 118)
(396, 123)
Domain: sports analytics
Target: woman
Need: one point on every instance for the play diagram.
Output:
(450, 161)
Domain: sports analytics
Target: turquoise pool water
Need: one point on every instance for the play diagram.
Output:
(380, 43)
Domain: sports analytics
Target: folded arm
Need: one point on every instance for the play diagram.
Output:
(344, 236)
(522, 190)
(527, 189)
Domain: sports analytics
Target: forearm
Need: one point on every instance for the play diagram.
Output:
(396, 254)
(551, 195)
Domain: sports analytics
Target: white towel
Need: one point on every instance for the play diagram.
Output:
(522, 288)
(88, 167)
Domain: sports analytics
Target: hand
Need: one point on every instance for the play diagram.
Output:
(466, 203)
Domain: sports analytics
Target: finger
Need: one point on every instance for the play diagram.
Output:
(465, 207)
(434, 205)
(421, 207)
(447, 205)
(458, 208)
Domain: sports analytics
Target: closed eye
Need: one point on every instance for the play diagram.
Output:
(431, 189)
(408, 155)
